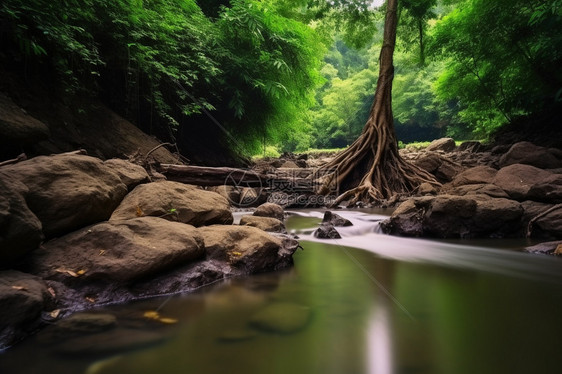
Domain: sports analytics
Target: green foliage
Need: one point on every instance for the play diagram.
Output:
(503, 59)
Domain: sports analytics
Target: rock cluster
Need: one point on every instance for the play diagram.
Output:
(76, 232)
(519, 194)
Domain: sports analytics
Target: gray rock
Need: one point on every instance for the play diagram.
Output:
(548, 248)
(175, 202)
(335, 219)
(327, 231)
(67, 192)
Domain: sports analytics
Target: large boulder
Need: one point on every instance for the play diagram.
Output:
(263, 223)
(475, 175)
(248, 249)
(117, 252)
(175, 202)
(443, 144)
(20, 229)
(23, 298)
(448, 216)
(490, 190)
(529, 154)
(130, 174)
(526, 182)
(68, 191)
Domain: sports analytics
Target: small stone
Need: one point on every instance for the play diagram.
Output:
(327, 231)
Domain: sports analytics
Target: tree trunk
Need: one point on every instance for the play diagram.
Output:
(371, 169)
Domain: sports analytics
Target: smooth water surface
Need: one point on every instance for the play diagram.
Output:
(393, 306)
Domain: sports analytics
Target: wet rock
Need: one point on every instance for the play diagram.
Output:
(443, 144)
(263, 223)
(248, 249)
(270, 210)
(130, 174)
(175, 201)
(544, 221)
(448, 216)
(548, 248)
(327, 231)
(529, 154)
(281, 318)
(335, 219)
(117, 252)
(67, 192)
(475, 175)
(20, 229)
(79, 324)
(23, 298)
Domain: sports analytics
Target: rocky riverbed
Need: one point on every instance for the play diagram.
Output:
(77, 232)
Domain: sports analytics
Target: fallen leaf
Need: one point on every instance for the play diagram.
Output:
(140, 213)
(55, 313)
(168, 321)
(72, 274)
(151, 314)
(52, 291)
(237, 253)
(20, 288)
(102, 252)
(81, 272)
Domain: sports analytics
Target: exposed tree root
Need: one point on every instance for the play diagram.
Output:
(371, 169)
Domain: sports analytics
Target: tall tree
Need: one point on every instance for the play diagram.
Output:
(371, 169)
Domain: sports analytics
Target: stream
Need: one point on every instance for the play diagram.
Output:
(365, 303)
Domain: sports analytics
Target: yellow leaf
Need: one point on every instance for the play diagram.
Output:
(140, 213)
(102, 252)
(151, 314)
(55, 313)
(20, 288)
(237, 253)
(168, 321)
(71, 273)
(81, 272)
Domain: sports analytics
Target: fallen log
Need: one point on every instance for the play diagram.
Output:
(212, 176)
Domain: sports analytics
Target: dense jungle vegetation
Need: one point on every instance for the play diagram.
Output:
(288, 75)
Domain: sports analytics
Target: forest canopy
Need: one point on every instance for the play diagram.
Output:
(243, 75)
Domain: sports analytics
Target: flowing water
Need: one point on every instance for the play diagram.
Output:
(366, 303)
